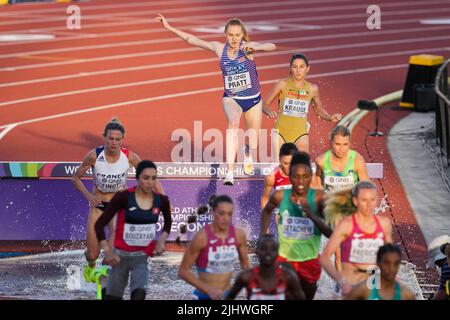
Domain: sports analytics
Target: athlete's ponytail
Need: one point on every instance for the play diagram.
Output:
(338, 205)
(114, 124)
(238, 22)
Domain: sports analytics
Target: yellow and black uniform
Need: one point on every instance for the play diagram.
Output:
(293, 107)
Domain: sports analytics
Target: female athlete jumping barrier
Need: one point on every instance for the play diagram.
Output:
(241, 86)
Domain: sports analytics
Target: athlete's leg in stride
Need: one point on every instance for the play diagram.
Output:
(277, 142)
(303, 143)
(233, 113)
(93, 247)
(253, 119)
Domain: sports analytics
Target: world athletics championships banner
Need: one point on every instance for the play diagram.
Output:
(39, 202)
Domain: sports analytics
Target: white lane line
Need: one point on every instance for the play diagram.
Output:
(140, 5)
(190, 93)
(7, 129)
(127, 44)
(236, 7)
(326, 18)
(151, 53)
(197, 61)
(192, 76)
(197, 10)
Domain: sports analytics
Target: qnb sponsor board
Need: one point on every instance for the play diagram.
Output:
(165, 170)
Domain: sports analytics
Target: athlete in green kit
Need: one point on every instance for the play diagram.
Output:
(301, 223)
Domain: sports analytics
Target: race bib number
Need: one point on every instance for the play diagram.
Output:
(364, 251)
(139, 235)
(284, 187)
(263, 297)
(238, 82)
(297, 228)
(338, 183)
(295, 107)
(222, 259)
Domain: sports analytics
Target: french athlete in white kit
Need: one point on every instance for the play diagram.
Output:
(110, 164)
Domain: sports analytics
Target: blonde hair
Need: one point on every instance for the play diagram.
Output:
(237, 22)
(338, 205)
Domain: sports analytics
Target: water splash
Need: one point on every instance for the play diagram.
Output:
(383, 206)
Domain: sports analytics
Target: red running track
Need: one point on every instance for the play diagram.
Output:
(56, 95)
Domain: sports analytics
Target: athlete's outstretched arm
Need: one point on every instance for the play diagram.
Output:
(189, 38)
(88, 162)
(266, 213)
(317, 106)
(274, 93)
(256, 46)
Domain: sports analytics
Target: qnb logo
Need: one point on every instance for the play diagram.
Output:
(73, 22)
(374, 20)
(74, 280)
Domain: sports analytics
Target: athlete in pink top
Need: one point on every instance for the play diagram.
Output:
(359, 236)
(214, 250)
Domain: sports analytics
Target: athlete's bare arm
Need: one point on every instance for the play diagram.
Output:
(294, 290)
(266, 213)
(387, 228)
(274, 93)
(88, 162)
(343, 229)
(213, 46)
(269, 182)
(360, 168)
(360, 292)
(242, 281)
(191, 254)
(257, 46)
(317, 178)
(317, 220)
(242, 248)
(406, 293)
(318, 108)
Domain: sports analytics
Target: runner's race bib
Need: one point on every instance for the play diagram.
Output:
(295, 107)
(284, 187)
(260, 296)
(297, 227)
(222, 259)
(139, 235)
(364, 251)
(338, 183)
(238, 82)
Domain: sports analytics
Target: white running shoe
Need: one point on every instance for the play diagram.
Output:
(248, 162)
(229, 179)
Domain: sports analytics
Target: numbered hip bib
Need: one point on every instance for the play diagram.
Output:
(238, 82)
(364, 251)
(139, 235)
(295, 107)
(297, 228)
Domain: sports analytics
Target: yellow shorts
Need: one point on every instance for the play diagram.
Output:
(291, 128)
